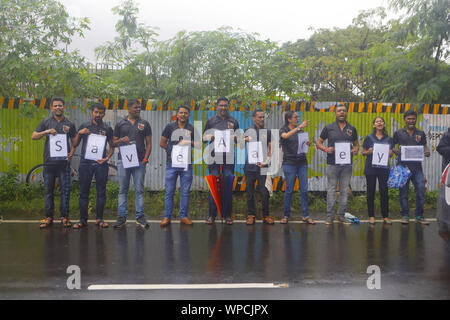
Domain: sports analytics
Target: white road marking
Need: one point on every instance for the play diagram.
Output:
(188, 286)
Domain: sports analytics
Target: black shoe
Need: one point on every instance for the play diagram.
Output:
(121, 221)
(141, 221)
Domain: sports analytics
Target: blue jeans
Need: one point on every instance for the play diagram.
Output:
(186, 177)
(291, 172)
(418, 181)
(214, 169)
(62, 172)
(124, 176)
(86, 171)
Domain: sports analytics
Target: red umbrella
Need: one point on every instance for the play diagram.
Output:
(215, 186)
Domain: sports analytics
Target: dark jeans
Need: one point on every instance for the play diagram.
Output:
(250, 179)
(62, 172)
(86, 172)
(227, 170)
(384, 197)
(418, 180)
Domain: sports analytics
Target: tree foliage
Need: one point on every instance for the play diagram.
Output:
(372, 59)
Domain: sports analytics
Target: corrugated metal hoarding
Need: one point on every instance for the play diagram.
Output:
(16, 126)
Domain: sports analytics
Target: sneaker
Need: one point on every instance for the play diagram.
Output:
(142, 222)
(422, 220)
(121, 221)
(405, 220)
(344, 221)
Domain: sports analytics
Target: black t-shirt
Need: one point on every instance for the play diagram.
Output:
(368, 143)
(290, 149)
(135, 132)
(65, 126)
(174, 137)
(402, 138)
(102, 129)
(334, 134)
(257, 134)
(218, 123)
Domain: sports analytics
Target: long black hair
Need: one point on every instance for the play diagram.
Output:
(374, 131)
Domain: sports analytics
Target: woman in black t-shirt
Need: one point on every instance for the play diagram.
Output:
(294, 164)
(374, 172)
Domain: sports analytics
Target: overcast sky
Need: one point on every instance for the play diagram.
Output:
(277, 20)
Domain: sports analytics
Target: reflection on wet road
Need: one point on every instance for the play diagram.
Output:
(316, 261)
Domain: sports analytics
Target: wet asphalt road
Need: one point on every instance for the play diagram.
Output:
(317, 262)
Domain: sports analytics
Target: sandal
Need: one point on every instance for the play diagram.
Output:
(308, 220)
(44, 223)
(80, 225)
(66, 222)
(387, 221)
(229, 221)
(102, 224)
(284, 220)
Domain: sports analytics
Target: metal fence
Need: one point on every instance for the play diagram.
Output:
(16, 126)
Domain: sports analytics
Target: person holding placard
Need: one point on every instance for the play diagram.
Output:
(94, 162)
(295, 144)
(178, 139)
(377, 147)
(343, 144)
(133, 136)
(413, 147)
(219, 131)
(60, 133)
(259, 149)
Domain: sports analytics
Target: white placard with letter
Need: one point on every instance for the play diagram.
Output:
(95, 147)
(58, 146)
(303, 138)
(222, 141)
(412, 153)
(342, 153)
(380, 155)
(129, 156)
(180, 156)
(255, 152)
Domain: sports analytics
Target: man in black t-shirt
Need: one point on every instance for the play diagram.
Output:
(222, 162)
(411, 136)
(178, 139)
(89, 167)
(339, 131)
(56, 166)
(257, 135)
(134, 134)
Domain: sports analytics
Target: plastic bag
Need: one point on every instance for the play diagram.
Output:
(398, 176)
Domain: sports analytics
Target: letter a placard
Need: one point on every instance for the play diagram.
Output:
(222, 141)
(58, 146)
(129, 156)
(95, 147)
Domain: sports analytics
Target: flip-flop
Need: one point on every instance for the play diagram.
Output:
(80, 225)
(44, 223)
(101, 224)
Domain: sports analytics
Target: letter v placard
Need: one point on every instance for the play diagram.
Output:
(129, 156)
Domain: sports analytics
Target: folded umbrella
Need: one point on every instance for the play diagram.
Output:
(214, 185)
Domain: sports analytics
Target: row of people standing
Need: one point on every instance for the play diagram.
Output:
(133, 130)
